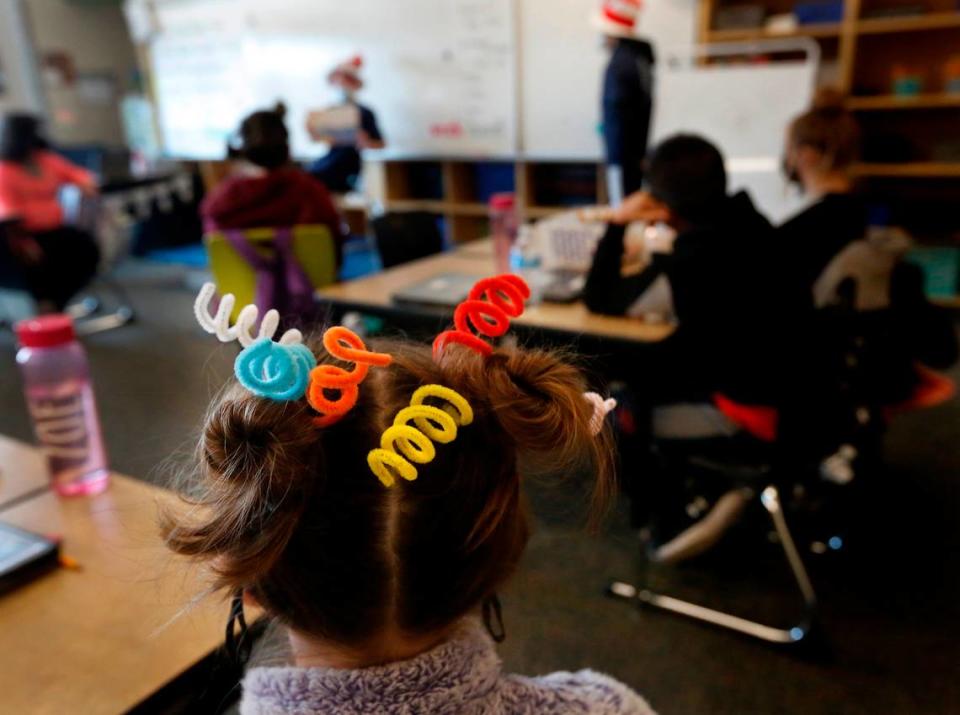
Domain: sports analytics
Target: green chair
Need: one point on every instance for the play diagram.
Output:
(313, 248)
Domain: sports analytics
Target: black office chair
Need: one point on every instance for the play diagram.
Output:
(864, 360)
(84, 310)
(406, 236)
(705, 485)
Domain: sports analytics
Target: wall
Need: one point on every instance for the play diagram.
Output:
(95, 38)
(21, 90)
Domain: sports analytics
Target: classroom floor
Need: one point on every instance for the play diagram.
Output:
(891, 604)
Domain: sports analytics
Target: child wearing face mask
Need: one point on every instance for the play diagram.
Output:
(835, 258)
(341, 166)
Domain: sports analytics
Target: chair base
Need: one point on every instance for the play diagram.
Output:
(791, 635)
(83, 308)
(117, 319)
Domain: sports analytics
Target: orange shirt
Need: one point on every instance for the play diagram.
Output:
(32, 198)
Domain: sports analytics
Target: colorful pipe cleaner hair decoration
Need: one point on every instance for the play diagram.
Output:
(402, 444)
(219, 324)
(274, 370)
(487, 311)
(277, 372)
(346, 345)
(601, 408)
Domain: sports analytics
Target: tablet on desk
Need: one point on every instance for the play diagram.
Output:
(444, 290)
(24, 556)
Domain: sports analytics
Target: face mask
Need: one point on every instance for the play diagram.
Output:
(347, 95)
(790, 173)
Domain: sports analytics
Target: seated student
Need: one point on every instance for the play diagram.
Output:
(720, 274)
(379, 582)
(54, 260)
(269, 190)
(831, 239)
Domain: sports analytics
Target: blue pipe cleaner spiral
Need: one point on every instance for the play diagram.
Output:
(274, 371)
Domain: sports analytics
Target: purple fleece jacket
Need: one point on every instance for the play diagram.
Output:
(459, 677)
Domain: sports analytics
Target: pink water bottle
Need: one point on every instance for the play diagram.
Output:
(503, 226)
(61, 403)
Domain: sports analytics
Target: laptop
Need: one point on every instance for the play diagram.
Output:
(444, 290)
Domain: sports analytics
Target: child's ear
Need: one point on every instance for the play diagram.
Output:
(249, 600)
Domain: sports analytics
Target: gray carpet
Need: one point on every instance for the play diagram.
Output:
(890, 604)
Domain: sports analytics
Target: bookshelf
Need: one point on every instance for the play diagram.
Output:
(911, 147)
(457, 190)
(873, 41)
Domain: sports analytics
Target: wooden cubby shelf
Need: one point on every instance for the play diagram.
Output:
(824, 30)
(894, 102)
(916, 169)
(457, 190)
(908, 23)
(866, 54)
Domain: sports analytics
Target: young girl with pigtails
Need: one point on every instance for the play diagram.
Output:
(370, 501)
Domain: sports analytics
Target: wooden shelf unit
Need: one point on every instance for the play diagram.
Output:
(916, 169)
(908, 23)
(831, 29)
(880, 102)
(456, 191)
(864, 51)
(911, 160)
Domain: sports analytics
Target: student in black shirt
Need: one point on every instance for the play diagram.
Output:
(721, 274)
(340, 168)
(821, 146)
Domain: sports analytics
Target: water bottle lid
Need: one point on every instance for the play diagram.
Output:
(46, 331)
(503, 201)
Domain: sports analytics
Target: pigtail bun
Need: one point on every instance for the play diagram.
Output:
(537, 399)
(257, 458)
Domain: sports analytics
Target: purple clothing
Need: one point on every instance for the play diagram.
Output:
(459, 677)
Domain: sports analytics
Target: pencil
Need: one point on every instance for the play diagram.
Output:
(68, 562)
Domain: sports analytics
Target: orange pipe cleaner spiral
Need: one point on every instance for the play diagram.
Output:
(345, 345)
(487, 312)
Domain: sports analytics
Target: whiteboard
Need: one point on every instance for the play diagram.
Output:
(561, 68)
(201, 95)
(440, 76)
(744, 110)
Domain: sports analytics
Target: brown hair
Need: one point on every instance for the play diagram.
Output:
(264, 138)
(829, 128)
(294, 516)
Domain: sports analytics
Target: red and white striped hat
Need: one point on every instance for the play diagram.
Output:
(618, 17)
(347, 73)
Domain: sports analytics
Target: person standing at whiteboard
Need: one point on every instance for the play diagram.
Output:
(340, 168)
(627, 96)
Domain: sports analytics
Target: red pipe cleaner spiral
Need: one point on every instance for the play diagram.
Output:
(346, 345)
(487, 312)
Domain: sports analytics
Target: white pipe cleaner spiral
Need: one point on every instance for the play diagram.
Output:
(601, 408)
(219, 324)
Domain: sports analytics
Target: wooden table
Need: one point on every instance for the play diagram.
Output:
(375, 293)
(23, 471)
(103, 639)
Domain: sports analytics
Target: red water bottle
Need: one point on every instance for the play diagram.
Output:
(62, 406)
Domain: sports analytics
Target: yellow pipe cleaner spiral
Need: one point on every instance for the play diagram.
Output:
(402, 444)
